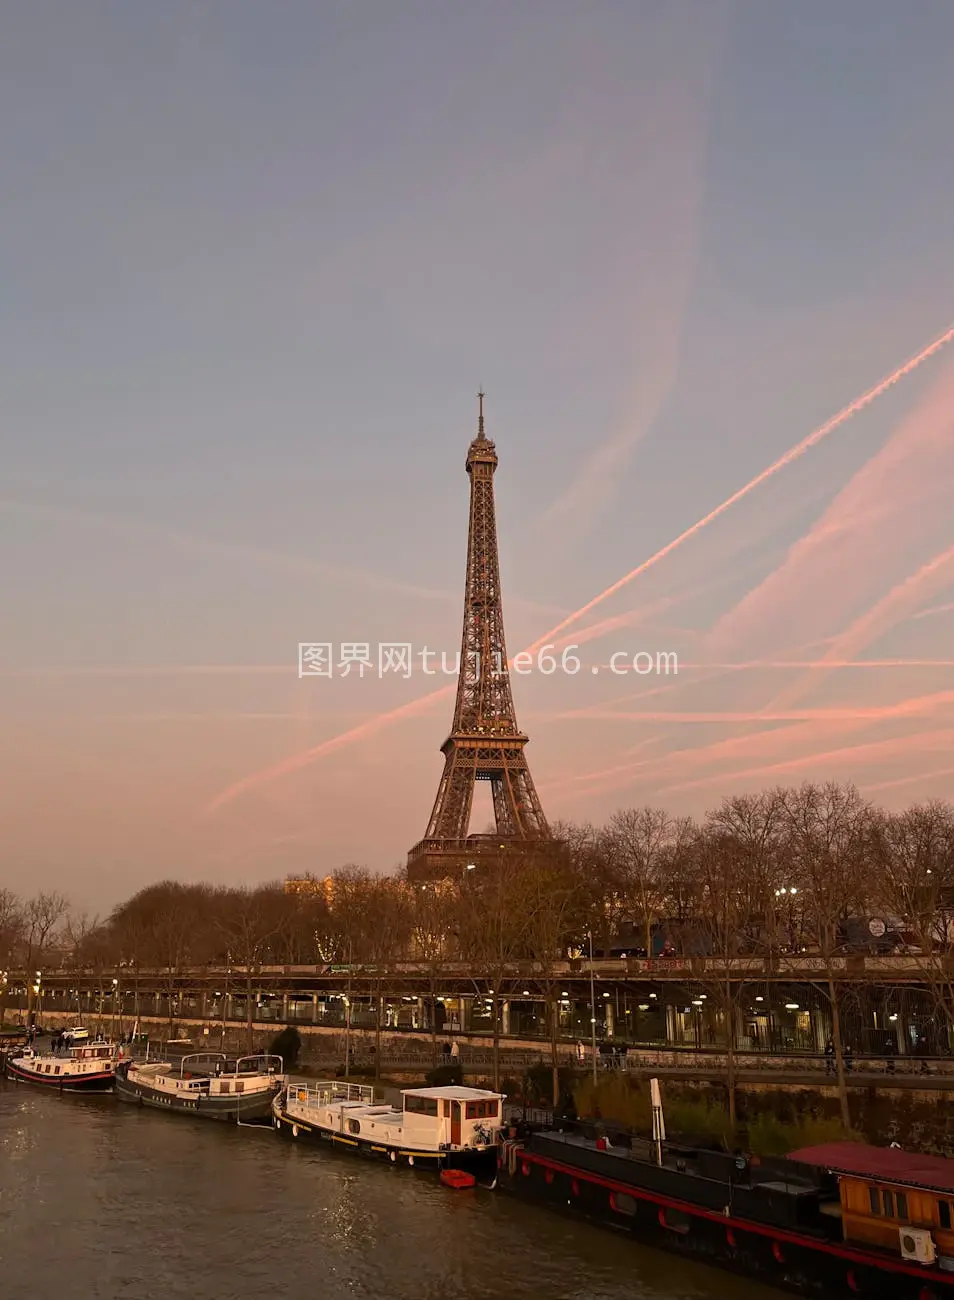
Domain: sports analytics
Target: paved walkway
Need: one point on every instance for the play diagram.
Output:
(856, 1078)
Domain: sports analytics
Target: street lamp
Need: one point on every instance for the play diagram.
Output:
(589, 935)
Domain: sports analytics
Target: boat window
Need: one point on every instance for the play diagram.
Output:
(447, 1110)
(944, 1214)
(421, 1106)
(57, 1070)
(481, 1110)
(874, 1200)
(354, 1126)
(240, 1087)
(902, 1204)
(888, 1204)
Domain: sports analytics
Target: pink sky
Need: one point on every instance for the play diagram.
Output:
(702, 268)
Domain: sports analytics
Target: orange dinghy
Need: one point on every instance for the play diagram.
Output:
(457, 1178)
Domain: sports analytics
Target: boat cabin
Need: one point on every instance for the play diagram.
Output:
(895, 1200)
(461, 1117)
(95, 1059)
(210, 1074)
(94, 1052)
(429, 1121)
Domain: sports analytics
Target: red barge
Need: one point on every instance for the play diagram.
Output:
(843, 1219)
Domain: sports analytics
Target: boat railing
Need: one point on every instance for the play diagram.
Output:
(324, 1093)
(201, 1061)
(262, 1063)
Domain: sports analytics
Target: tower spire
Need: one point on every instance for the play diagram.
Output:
(485, 743)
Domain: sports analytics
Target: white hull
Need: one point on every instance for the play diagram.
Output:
(346, 1116)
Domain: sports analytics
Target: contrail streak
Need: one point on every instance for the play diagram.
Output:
(909, 780)
(875, 749)
(411, 709)
(806, 664)
(935, 609)
(888, 611)
(871, 713)
(791, 455)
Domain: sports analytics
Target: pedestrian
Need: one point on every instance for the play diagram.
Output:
(580, 1053)
(848, 1059)
(455, 1050)
(830, 1056)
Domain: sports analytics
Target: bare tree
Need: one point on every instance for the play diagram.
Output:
(11, 926)
(828, 833)
(493, 933)
(680, 871)
(434, 914)
(640, 843)
(249, 920)
(725, 905)
(169, 924)
(42, 914)
(555, 915)
(756, 824)
(388, 917)
(11, 936)
(913, 853)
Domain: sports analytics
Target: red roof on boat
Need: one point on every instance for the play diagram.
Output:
(884, 1164)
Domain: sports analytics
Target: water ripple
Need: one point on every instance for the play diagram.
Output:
(102, 1200)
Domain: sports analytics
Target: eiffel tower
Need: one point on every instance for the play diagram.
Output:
(485, 743)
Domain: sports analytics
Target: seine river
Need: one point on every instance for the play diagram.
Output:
(100, 1200)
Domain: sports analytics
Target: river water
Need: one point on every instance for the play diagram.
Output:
(101, 1200)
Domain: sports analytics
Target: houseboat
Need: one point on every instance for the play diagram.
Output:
(436, 1128)
(210, 1085)
(841, 1220)
(90, 1067)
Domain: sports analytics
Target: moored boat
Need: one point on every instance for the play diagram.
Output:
(90, 1067)
(845, 1219)
(207, 1084)
(436, 1128)
(13, 1040)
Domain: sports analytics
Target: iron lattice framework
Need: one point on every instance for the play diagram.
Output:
(485, 743)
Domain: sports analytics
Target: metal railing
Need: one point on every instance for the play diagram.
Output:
(323, 1093)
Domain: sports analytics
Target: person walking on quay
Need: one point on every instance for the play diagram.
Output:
(830, 1056)
(455, 1050)
(848, 1059)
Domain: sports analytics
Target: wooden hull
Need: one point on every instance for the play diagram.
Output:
(87, 1083)
(482, 1164)
(776, 1256)
(233, 1109)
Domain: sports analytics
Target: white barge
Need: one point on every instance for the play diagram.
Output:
(88, 1068)
(436, 1128)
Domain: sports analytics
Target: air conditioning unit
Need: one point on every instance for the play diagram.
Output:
(917, 1244)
